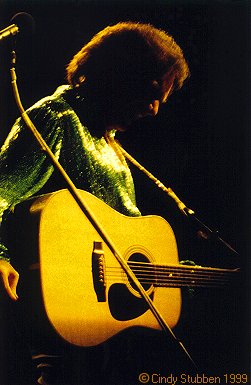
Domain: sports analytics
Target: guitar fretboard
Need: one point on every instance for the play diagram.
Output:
(179, 276)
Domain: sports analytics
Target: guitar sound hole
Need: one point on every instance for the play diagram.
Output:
(126, 303)
(141, 271)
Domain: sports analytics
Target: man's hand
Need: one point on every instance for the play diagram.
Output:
(9, 277)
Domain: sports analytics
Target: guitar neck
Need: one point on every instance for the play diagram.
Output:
(180, 276)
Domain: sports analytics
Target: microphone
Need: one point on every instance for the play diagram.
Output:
(22, 22)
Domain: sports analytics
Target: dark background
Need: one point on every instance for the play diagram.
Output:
(198, 144)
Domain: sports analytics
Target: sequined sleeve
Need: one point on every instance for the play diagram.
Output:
(24, 168)
(91, 162)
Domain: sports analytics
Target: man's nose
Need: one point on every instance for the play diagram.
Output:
(153, 108)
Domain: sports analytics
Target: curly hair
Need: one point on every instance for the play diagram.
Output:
(125, 55)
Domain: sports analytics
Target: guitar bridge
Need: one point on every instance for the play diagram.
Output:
(98, 271)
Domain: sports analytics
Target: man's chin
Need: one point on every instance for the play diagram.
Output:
(124, 125)
(121, 127)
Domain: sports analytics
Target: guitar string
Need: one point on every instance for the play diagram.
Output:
(183, 267)
(156, 272)
(181, 284)
(162, 278)
(143, 267)
(171, 278)
(178, 282)
(170, 274)
(161, 274)
(178, 270)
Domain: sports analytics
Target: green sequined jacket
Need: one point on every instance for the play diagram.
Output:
(90, 161)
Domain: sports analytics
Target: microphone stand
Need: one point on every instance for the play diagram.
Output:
(207, 233)
(94, 221)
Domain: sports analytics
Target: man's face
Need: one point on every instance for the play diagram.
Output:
(137, 108)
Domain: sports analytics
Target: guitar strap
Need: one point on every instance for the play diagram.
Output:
(94, 221)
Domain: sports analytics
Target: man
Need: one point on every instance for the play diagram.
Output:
(123, 74)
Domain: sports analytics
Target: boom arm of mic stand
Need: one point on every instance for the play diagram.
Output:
(209, 233)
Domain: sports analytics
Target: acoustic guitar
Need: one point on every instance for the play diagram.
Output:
(87, 296)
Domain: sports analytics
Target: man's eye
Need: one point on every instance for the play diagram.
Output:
(157, 91)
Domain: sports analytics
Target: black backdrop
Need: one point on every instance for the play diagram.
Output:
(198, 144)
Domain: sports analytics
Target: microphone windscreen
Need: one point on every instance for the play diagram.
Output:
(25, 22)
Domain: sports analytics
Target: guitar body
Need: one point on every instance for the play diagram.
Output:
(66, 241)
